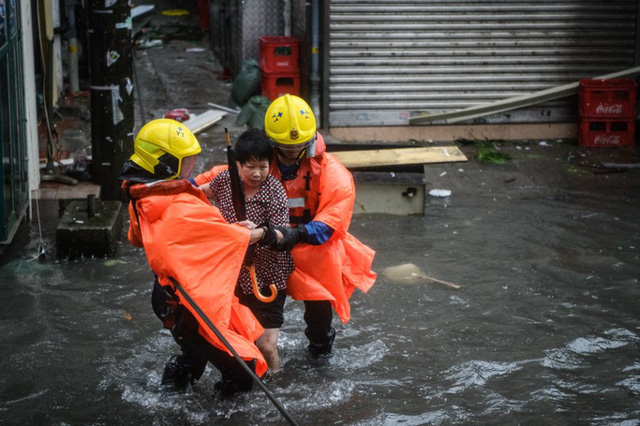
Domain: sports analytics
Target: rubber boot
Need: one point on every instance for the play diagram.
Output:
(321, 349)
(235, 382)
(177, 374)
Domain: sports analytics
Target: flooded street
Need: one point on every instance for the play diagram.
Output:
(544, 329)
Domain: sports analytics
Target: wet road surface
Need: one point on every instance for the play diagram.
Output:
(544, 329)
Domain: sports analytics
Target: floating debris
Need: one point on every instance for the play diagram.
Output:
(408, 273)
(440, 192)
(175, 12)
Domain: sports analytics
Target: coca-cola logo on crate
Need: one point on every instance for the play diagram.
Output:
(609, 109)
(607, 140)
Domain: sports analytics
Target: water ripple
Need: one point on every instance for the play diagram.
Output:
(574, 354)
(366, 354)
(477, 373)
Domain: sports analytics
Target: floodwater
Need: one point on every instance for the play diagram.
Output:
(545, 329)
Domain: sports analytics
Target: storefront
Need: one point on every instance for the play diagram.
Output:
(389, 61)
(14, 192)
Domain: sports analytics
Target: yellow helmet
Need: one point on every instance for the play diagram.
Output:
(160, 137)
(290, 123)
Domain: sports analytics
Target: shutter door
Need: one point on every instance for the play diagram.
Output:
(390, 60)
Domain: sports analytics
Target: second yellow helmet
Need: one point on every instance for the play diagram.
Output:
(290, 122)
(160, 137)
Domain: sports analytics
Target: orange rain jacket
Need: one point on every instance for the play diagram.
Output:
(329, 271)
(186, 238)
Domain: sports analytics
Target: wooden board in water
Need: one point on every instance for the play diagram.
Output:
(399, 156)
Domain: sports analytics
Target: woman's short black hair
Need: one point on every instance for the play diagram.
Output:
(254, 144)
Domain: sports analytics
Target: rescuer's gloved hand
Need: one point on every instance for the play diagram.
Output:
(291, 237)
(269, 238)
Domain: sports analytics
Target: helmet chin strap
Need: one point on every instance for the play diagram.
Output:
(301, 155)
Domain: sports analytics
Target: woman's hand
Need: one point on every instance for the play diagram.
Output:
(247, 224)
(206, 189)
(256, 235)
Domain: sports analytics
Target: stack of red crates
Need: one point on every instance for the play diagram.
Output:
(279, 65)
(607, 112)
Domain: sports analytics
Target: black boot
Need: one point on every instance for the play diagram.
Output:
(177, 374)
(318, 315)
(322, 349)
(234, 381)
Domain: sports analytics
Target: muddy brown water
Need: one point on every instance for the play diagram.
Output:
(545, 329)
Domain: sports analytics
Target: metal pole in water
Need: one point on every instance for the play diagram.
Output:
(243, 364)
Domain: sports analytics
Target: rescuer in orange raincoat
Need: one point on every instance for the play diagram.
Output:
(329, 262)
(186, 238)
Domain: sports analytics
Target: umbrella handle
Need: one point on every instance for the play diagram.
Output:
(256, 290)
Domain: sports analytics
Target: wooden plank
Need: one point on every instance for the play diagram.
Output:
(515, 102)
(398, 156)
(205, 120)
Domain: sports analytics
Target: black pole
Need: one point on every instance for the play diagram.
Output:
(219, 335)
(112, 112)
(237, 193)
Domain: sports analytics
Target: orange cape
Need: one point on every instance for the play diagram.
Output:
(186, 238)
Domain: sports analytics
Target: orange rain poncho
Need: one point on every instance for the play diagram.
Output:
(329, 271)
(186, 238)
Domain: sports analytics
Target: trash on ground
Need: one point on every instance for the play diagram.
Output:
(178, 114)
(147, 44)
(200, 122)
(253, 112)
(141, 10)
(440, 192)
(224, 108)
(247, 84)
(175, 12)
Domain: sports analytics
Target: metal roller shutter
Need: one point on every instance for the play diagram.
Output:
(389, 60)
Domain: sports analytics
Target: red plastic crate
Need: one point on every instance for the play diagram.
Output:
(615, 98)
(275, 85)
(279, 54)
(606, 132)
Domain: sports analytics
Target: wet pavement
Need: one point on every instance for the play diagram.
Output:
(545, 329)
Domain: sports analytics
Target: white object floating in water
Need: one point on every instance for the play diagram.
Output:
(440, 192)
(408, 273)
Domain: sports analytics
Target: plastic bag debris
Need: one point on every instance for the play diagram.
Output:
(440, 192)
